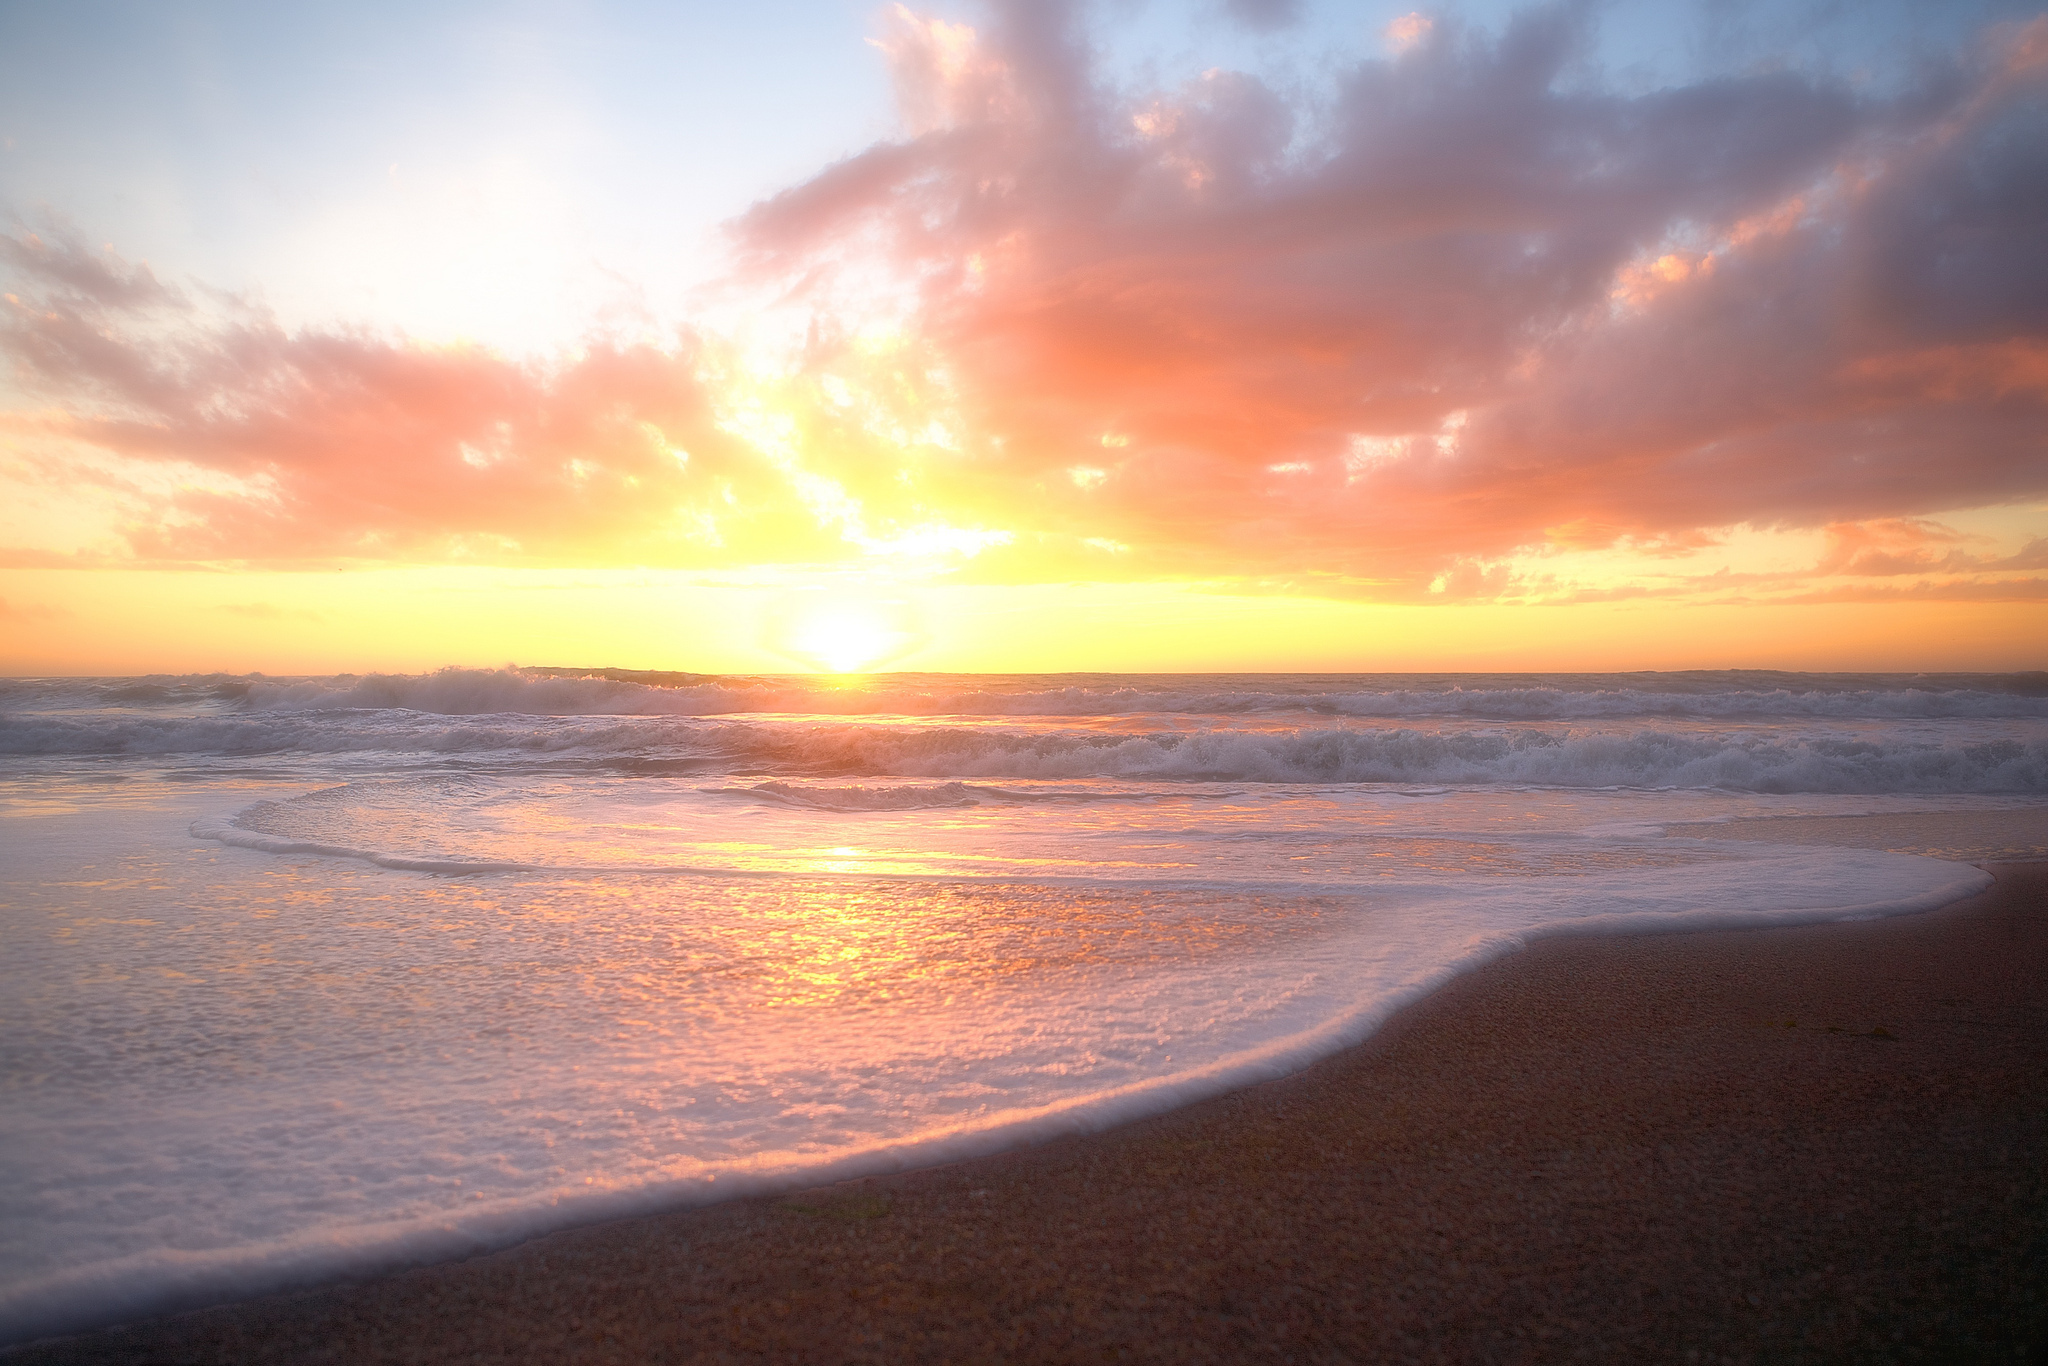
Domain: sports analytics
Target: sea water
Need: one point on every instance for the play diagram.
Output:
(303, 977)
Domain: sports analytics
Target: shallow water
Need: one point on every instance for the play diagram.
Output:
(303, 976)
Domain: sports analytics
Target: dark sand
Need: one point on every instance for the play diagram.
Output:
(1823, 1143)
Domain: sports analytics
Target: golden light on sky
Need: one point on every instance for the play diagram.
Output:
(850, 635)
(114, 621)
(1075, 338)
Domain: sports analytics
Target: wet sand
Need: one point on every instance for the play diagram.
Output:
(1826, 1143)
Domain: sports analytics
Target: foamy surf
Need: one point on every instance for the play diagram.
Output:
(427, 982)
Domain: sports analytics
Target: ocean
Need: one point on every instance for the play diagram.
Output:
(305, 977)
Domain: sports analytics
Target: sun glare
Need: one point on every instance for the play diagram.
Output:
(846, 630)
(844, 640)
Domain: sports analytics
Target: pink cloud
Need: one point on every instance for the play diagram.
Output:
(60, 258)
(1893, 546)
(1855, 332)
(1472, 309)
(351, 444)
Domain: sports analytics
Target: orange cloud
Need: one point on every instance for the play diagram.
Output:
(1434, 283)
(340, 444)
(1470, 311)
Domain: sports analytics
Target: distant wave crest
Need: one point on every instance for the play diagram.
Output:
(540, 692)
(1582, 759)
(958, 757)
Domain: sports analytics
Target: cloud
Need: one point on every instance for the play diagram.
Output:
(59, 257)
(1759, 299)
(1472, 312)
(1942, 590)
(325, 444)
(1894, 546)
(1408, 30)
(218, 435)
(2033, 555)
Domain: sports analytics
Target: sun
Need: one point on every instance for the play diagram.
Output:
(846, 631)
(844, 638)
(843, 642)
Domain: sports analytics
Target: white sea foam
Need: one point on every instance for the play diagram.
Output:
(170, 1278)
(463, 957)
(1632, 755)
(403, 1069)
(1569, 758)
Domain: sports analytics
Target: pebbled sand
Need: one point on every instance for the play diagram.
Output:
(1825, 1143)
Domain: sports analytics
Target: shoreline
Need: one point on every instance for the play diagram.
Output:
(1604, 1144)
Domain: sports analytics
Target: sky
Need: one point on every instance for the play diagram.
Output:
(1225, 334)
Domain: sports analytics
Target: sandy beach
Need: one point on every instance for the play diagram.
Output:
(1815, 1143)
(1024, 681)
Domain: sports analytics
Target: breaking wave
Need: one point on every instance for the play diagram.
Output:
(1727, 695)
(1640, 758)
(956, 756)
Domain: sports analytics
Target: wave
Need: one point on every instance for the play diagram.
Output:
(228, 833)
(1572, 759)
(912, 797)
(1728, 695)
(959, 756)
(314, 732)
(166, 1280)
(924, 797)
